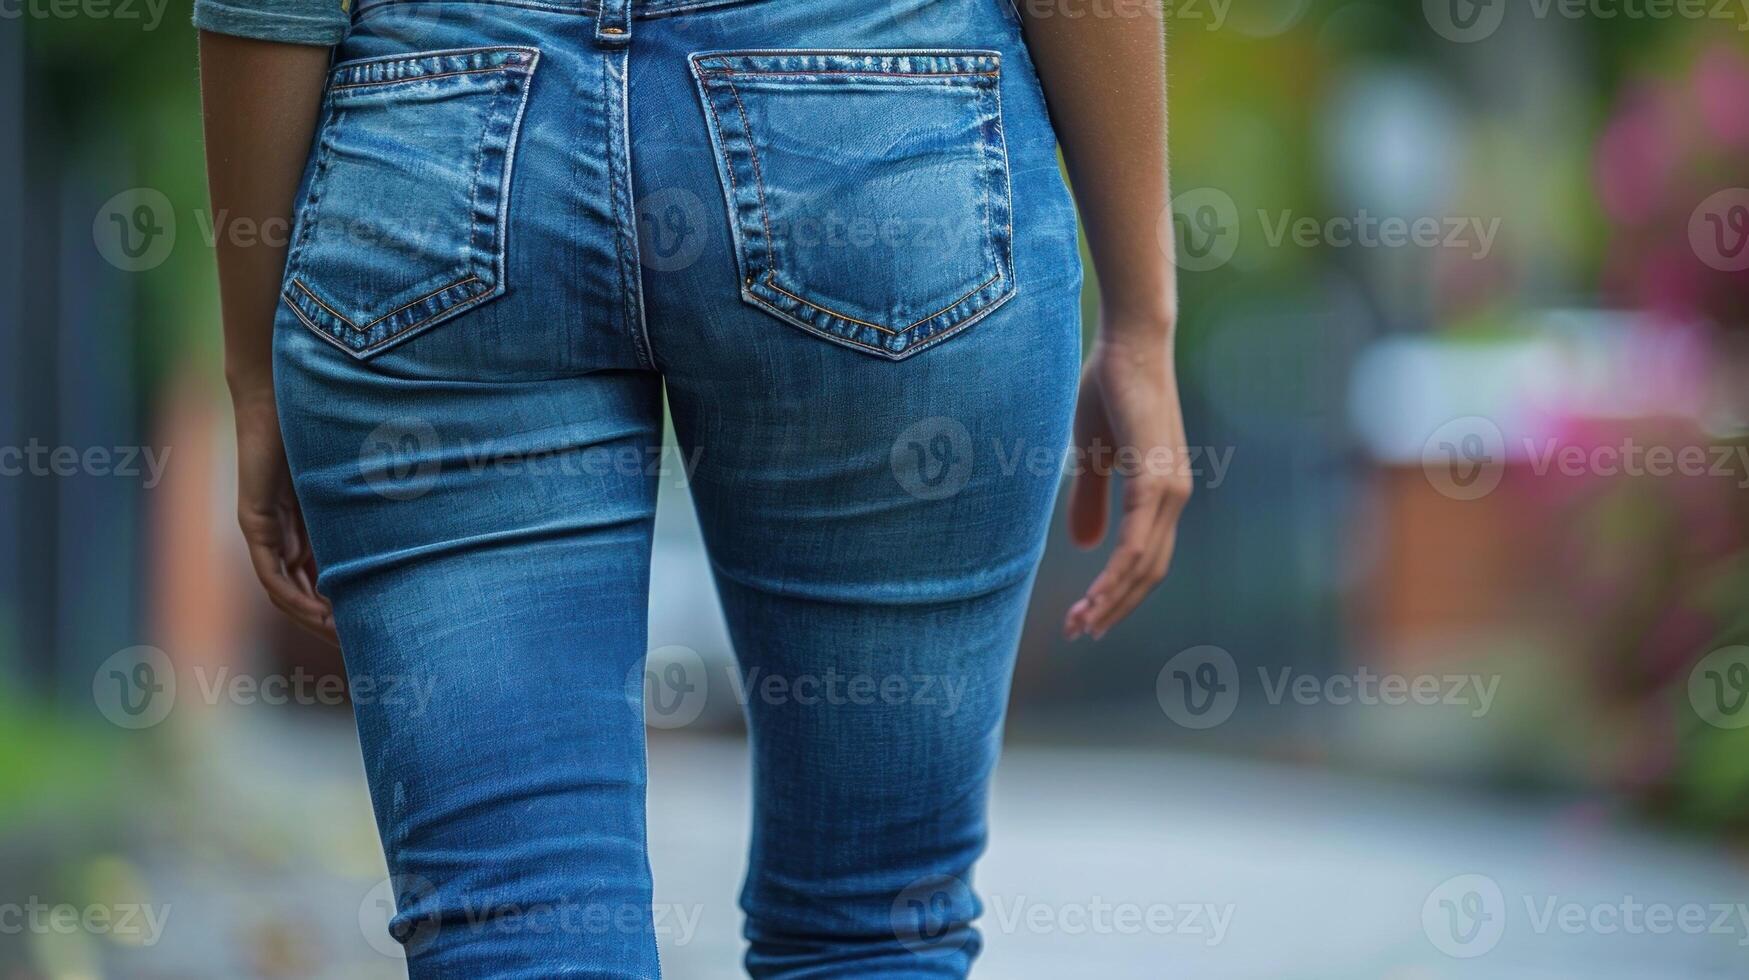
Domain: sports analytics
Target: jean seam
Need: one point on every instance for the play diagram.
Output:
(616, 149)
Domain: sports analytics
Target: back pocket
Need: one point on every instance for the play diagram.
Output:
(867, 190)
(402, 221)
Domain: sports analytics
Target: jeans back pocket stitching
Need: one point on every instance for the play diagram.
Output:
(759, 180)
(518, 74)
(1002, 267)
(366, 328)
(758, 177)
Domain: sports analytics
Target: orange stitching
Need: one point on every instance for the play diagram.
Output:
(471, 301)
(758, 175)
(717, 121)
(366, 328)
(886, 330)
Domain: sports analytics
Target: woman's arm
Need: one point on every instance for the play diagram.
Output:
(1105, 80)
(260, 101)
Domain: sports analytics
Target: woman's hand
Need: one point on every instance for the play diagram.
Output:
(1128, 422)
(1105, 81)
(260, 102)
(267, 511)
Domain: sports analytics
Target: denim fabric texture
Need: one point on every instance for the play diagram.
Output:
(835, 237)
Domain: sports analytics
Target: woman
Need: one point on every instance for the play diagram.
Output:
(835, 232)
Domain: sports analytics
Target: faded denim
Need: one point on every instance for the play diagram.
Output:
(851, 265)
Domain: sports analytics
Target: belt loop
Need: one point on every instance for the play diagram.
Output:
(613, 25)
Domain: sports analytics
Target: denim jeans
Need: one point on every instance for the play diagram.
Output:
(835, 233)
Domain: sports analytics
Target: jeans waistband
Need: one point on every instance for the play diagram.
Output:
(583, 8)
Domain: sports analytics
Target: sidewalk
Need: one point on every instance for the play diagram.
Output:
(1315, 876)
(1105, 865)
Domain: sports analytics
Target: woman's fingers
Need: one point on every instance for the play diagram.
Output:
(280, 555)
(1146, 537)
(1135, 533)
(1148, 573)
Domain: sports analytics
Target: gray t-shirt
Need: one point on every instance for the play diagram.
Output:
(290, 21)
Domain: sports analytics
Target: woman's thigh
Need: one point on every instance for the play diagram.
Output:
(863, 291)
(472, 442)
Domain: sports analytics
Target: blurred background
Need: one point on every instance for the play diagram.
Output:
(1449, 678)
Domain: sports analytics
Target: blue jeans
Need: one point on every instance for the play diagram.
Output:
(852, 265)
